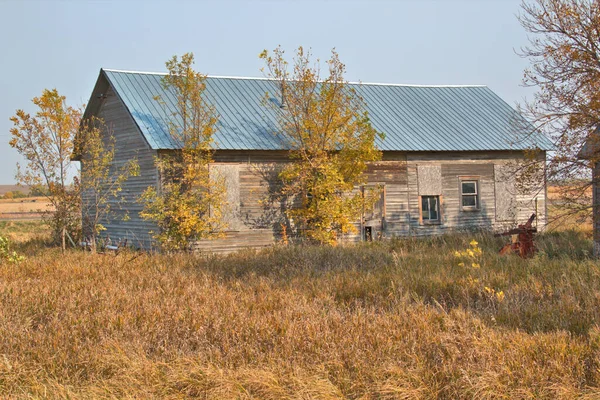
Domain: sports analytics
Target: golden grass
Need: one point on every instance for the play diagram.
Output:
(19, 231)
(565, 220)
(396, 320)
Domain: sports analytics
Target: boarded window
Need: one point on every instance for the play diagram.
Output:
(505, 193)
(229, 174)
(430, 180)
(378, 209)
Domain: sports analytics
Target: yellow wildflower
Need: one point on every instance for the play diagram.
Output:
(474, 243)
(500, 296)
(475, 265)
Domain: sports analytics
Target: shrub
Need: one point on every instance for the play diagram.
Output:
(17, 194)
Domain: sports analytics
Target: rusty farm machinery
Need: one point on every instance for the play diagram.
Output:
(522, 239)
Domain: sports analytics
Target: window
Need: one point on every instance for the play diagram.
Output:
(430, 209)
(469, 193)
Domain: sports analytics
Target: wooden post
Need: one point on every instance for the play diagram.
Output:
(536, 212)
(63, 238)
(362, 216)
(383, 211)
(596, 209)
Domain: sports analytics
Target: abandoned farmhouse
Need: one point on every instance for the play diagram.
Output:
(448, 156)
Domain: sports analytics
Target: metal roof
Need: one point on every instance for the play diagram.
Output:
(413, 118)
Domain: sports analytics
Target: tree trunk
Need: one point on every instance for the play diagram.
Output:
(63, 236)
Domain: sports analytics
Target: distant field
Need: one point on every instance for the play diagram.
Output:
(561, 218)
(554, 192)
(12, 188)
(25, 208)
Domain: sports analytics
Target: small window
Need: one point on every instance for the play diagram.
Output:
(430, 208)
(469, 192)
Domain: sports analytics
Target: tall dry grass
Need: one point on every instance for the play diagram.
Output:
(395, 320)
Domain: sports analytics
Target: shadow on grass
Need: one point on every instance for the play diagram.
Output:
(558, 289)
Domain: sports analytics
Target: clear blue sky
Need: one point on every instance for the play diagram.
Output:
(63, 44)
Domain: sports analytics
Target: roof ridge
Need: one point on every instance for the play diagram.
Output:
(414, 85)
(270, 79)
(133, 72)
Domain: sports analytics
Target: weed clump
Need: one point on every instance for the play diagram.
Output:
(6, 253)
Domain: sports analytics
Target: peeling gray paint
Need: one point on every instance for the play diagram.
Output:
(229, 174)
(429, 180)
(506, 199)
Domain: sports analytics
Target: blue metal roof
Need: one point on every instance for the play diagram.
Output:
(413, 118)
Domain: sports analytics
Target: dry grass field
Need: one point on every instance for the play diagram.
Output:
(406, 319)
(24, 208)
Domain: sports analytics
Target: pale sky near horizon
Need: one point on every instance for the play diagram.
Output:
(63, 44)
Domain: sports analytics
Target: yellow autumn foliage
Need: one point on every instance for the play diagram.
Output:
(325, 124)
(188, 205)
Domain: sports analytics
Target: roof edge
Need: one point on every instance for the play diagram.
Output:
(271, 79)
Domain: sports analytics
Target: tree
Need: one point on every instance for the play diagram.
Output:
(331, 141)
(17, 194)
(188, 205)
(46, 141)
(102, 178)
(564, 52)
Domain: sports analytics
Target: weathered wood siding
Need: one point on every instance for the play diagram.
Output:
(403, 177)
(256, 212)
(130, 144)
(255, 209)
(500, 203)
(391, 174)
